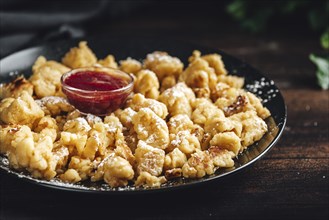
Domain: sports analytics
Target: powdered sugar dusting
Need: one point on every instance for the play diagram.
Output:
(263, 89)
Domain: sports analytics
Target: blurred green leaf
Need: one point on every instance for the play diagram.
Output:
(325, 39)
(258, 21)
(322, 72)
(251, 16)
(237, 9)
(319, 15)
(292, 5)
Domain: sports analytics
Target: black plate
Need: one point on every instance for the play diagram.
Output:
(255, 82)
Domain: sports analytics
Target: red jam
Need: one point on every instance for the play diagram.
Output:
(93, 81)
(97, 91)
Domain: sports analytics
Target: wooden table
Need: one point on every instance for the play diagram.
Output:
(290, 182)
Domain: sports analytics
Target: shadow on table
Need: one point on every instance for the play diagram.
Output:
(29, 201)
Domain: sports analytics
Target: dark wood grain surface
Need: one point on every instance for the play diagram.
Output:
(290, 182)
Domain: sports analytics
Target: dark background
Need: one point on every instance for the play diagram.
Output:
(290, 182)
(31, 22)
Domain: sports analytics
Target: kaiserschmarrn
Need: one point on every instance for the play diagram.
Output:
(180, 122)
